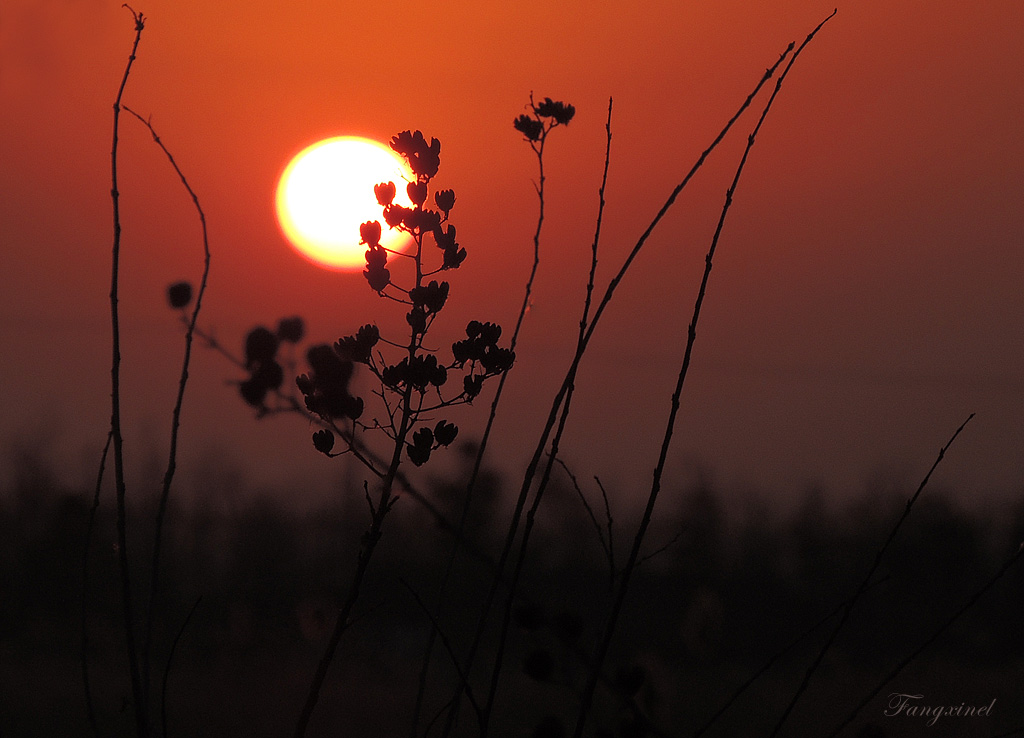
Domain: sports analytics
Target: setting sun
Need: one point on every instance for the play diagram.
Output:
(326, 192)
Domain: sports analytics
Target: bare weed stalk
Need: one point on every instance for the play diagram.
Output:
(537, 144)
(172, 455)
(138, 691)
(634, 554)
(411, 389)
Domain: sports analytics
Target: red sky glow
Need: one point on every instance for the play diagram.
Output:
(866, 294)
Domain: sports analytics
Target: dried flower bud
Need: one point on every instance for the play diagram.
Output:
(369, 233)
(260, 346)
(417, 192)
(560, 111)
(323, 441)
(529, 127)
(385, 193)
(445, 200)
(291, 329)
(179, 294)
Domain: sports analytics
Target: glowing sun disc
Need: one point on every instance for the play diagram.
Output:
(326, 192)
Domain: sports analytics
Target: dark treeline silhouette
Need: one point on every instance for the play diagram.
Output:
(721, 592)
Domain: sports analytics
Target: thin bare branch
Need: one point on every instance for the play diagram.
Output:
(624, 581)
(170, 660)
(772, 661)
(864, 583)
(172, 453)
(590, 514)
(138, 693)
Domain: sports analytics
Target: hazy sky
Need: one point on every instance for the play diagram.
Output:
(867, 292)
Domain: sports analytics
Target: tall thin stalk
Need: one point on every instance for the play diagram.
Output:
(634, 554)
(138, 692)
(538, 146)
(404, 386)
(172, 455)
(553, 454)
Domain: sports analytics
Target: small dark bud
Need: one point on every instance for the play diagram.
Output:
(253, 391)
(424, 160)
(417, 192)
(378, 278)
(353, 407)
(529, 127)
(439, 376)
(453, 258)
(385, 193)
(270, 374)
(417, 319)
(498, 360)
(291, 330)
(430, 296)
(445, 432)
(423, 438)
(472, 386)
(445, 200)
(394, 215)
(418, 455)
(369, 233)
(445, 238)
(323, 441)
(179, 294)
(561, 112)
(359, 348)
(260, 346)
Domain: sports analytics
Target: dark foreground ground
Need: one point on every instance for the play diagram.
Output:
(721, 595)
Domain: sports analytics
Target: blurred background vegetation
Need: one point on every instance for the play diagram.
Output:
(726, 587)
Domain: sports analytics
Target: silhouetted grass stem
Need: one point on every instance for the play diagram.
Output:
(172, 454)
(138, 693)
(605, 641)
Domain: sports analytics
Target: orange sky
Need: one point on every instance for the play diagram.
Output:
(866, 295)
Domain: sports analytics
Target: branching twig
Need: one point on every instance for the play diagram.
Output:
(537, 145)
(593, 518)
(864, 583)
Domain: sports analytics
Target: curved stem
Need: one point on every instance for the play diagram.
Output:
(176, 414)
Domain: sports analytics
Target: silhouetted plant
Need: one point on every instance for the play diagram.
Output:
(407, 417)
(414, 383)
(180, 296)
